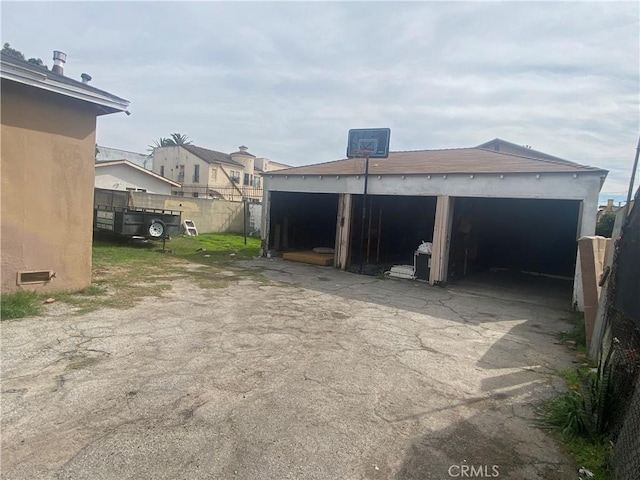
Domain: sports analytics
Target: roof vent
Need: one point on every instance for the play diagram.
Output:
(242, 148)
(59, 59)
(86, 78)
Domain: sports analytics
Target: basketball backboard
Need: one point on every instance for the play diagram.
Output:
(374, 141)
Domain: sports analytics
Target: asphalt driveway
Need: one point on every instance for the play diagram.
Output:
(319, 374)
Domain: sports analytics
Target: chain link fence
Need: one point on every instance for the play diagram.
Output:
(619, 368)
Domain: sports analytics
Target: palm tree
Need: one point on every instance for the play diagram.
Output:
(174, 140)
(161, 142)
(179, 139)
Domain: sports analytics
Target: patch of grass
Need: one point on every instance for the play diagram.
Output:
(124, 295)
(220, 248)
(19, 305)
(575, 377)
(577, 333)
(125, 271)
(592, 454)
(93, 290)
(566, 413)
(573, 416)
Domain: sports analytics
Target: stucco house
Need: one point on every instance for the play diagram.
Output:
(211, 174)
(48, 150)
(124, 175)
(482, 208)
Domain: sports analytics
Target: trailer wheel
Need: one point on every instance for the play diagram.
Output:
(156, 228)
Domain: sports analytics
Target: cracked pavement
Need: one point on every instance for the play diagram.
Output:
(321, 374)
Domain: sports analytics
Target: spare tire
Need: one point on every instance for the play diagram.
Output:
(156, 228)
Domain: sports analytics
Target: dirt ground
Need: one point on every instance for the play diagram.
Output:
(317, 374)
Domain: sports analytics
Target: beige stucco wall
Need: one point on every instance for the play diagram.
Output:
(210, 216)
(47, 175)
(211, 176)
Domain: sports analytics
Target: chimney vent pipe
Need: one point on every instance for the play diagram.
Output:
(59, 59)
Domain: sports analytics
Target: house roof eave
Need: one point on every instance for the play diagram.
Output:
(46, 81)
(137, 167)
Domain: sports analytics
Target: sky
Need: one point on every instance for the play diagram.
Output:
(289, 79)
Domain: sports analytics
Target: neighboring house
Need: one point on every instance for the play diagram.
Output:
(48, 150)
(482, 209)
(210, 174)
(502, 146)
(611, 208)
(124, 175)
(108, 154)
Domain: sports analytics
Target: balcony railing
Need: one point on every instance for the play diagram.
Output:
(251, 194)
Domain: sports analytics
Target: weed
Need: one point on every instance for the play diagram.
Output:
(380, 274)
(577, 416)
(566, 414)
(20, 304)
(577, 333)
(92, 290)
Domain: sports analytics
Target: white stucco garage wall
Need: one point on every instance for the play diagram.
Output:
(582, 186)
(554, 186)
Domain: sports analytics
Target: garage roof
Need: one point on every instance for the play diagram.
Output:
(457, 160)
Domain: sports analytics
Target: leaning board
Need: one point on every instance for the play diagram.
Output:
(323, 259)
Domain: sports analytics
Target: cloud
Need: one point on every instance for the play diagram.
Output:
(290, 79)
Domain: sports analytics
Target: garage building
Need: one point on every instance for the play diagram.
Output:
(495, 206)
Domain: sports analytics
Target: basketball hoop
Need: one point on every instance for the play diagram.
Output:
(375, 141)
(367, 143)
(365, 153)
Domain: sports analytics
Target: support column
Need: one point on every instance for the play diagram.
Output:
(441, 240)
(343, 229)
(586, 227)
(265, 225)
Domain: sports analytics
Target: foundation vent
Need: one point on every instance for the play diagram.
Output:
(35, 276)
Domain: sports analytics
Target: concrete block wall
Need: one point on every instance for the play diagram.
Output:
(210, 216)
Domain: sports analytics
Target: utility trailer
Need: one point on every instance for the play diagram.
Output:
(113, 212)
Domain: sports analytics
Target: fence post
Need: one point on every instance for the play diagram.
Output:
(244, 219)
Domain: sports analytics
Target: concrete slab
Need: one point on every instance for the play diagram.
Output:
(321, 375)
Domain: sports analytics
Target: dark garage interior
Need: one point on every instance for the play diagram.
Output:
(302, 221)
(515, 235)
(394, 228)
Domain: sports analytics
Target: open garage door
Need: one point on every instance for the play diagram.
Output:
(516, 235)
(394, 227)
(302, 221)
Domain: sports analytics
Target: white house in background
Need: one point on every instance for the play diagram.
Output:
(124, 175)
(108, 154)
